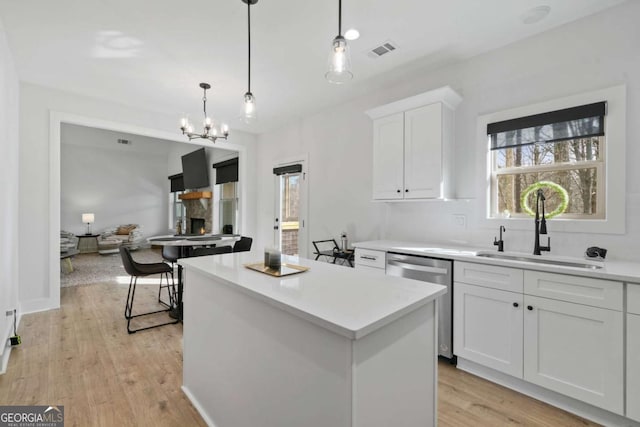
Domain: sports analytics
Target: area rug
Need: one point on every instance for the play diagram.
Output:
(94, 268)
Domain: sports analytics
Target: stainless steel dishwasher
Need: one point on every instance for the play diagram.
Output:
(433, 270)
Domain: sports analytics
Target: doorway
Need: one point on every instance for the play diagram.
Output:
(52, 301)
(290, 208)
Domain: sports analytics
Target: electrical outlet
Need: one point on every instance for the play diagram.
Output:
(8, 313)
(460, 220)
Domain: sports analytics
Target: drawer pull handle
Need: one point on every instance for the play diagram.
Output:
(368, 257)
(515, 304)
(529, 307)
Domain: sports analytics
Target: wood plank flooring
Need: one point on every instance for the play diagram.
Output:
(82, 357)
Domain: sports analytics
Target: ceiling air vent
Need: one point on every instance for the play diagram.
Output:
(124, 141)
(383, 49)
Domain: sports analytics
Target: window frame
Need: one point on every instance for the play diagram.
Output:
(613, 193)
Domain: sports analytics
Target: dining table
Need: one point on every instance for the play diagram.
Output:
(186, 242)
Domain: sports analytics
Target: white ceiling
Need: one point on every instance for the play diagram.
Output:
(153, 54)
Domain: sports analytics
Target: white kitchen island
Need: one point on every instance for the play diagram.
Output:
(332, 346)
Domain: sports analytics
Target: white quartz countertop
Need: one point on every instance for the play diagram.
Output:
(613, 270)
(347, 301)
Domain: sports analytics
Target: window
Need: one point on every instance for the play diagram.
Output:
(177, 211)
(562, 152)
(228, 208)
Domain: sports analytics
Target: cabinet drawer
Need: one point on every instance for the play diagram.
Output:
(633, 298)
(490, 276)
(576, 289)
(370, 258)
(372, 270)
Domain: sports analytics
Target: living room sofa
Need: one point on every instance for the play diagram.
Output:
(128, 235)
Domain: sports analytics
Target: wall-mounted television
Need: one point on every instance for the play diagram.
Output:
(195, 170)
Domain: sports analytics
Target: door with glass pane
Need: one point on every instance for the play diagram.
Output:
(289, 221)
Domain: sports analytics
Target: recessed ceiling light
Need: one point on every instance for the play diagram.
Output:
(352, 34)
(535, 14)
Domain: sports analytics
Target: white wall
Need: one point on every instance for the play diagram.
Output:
(120, 184)
(596, 52)
(9, 100)
(37, 278)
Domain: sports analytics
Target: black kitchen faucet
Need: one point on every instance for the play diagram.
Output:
(541, 225)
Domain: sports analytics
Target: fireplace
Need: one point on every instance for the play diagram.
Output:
(197, 226)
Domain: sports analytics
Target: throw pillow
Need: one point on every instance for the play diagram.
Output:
(125, 229)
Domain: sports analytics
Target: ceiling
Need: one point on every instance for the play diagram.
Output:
(152, 54)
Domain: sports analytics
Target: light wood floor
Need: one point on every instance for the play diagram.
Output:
(82, 357)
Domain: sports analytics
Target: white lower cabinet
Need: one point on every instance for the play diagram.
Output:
(633, 351)
(488, 327)
(633, 366)
(571, 348)
(575, 350)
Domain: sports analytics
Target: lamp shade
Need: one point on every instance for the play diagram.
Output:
(88, 218)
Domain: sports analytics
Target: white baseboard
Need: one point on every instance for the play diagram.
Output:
(37, 305)
(7, 349)
(198, 407)
(566, 403)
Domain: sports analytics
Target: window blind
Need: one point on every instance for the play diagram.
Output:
(177, 182)
(226, 171)
(283, 170)
(570, 123)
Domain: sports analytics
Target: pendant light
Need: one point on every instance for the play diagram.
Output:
(339, 57)
(249, 108)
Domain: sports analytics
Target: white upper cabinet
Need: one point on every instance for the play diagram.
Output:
(413, 145)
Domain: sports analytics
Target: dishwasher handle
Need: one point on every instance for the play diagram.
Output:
(416, 267)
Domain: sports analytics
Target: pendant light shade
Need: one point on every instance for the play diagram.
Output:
(249, 110)
(339, 56)
(249, 113)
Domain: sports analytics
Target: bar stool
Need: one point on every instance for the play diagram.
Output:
(170, 254)
(135, 270)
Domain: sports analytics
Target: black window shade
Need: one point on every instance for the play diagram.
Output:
(226, 171)
(570, 123)
(283, 170)
(177, 182)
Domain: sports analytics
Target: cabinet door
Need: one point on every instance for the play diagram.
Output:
(388, 157)
(487, 327)
(575, 350)
(633, 366)
(423, 152)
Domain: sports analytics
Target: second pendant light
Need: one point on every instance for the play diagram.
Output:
(249, 107)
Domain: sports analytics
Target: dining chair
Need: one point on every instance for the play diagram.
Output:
(211, 251)
(243, 245)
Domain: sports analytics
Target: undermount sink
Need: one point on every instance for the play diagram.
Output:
(538, 260)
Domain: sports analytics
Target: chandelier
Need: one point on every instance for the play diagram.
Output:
(210, 131)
